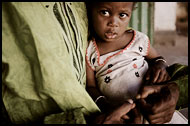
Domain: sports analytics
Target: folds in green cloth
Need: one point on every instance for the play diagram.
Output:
(43, 57)
(67, 117)
(179, 75)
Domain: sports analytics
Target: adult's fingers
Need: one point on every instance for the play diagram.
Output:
(144, 105)
(164, 102)
(137, 117)
(147, 90)
(128, 107)
(125, 108)
(161, 107)
(163, 119)
(116, 114)
(134, 117)
(125, 117)
(158, 117)
(161, 114)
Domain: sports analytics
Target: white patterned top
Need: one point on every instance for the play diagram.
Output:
(119, 74)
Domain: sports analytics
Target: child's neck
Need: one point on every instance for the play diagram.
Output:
(107, 47)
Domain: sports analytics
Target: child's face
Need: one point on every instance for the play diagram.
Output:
(110, 19)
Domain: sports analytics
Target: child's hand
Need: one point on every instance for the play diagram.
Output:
(157, 73)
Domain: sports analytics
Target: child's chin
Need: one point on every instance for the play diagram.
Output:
(110, 36)
(109, 40)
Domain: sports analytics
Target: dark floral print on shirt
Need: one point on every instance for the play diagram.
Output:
(107, 79)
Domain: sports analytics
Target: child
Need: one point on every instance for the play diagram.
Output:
(115, 56)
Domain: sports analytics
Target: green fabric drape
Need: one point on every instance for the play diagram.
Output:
(179, 75)
(43, 59)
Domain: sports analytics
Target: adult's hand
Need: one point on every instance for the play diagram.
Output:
(160, 108)
(135, 117)
(116, 116)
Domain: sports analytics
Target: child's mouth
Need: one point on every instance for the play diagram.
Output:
(110, 35)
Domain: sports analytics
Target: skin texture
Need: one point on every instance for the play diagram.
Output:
(109, 23)
(161, 110)
(109, 20)
(157, 73)
(118, 116)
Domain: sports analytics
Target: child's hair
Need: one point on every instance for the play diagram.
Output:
(89, 6)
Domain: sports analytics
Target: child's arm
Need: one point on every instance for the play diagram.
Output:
(93, 90)
(152, 53)
(157, 72)
(91, 83)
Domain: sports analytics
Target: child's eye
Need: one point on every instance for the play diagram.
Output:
(104, 12)
(123, 15)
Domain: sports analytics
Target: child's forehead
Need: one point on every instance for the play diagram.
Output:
(114, 5)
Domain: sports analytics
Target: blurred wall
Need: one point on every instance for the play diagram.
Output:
(165, 16)
(182, 18)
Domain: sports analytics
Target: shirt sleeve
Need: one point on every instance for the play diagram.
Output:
(144, 44)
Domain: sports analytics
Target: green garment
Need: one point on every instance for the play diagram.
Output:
(179, 75)
(43, 58)
(43, 63)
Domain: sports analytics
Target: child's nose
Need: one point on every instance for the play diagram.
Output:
(113, 22)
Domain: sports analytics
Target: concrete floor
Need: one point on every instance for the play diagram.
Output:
(173, 47)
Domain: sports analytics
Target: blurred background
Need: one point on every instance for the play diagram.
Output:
(166, 24)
